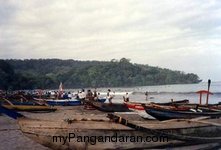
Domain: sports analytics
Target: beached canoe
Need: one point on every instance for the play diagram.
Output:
(166, 112)
(30, 106)
(64, 102)
(109, 107)
(49, 133)
(208, 106)
(138, 106)
(185, 101)
(102, 100)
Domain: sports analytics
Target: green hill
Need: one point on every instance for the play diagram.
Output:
(48, 73)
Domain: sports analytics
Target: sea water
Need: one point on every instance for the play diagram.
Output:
(164, 93)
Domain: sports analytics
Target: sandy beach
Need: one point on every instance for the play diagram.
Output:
(12, 138)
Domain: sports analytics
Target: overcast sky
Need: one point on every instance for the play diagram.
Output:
(181, 35)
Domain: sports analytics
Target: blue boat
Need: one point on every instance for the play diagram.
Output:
(64, 102)
(68, 102)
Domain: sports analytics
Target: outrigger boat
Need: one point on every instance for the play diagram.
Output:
(64, 102)
(69, 102)
(109, 107)
(93, 133)
(30, 106)
(138, 106)
(122, 107)
(178, 112)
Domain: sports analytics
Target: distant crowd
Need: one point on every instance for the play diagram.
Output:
(80, 94)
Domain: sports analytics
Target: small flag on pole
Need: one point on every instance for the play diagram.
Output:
(60, 88)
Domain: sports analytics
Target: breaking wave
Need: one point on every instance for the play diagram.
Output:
(157, 93)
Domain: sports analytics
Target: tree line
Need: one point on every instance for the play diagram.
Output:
(48, 73)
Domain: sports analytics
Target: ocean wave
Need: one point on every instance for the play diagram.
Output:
(156, 93)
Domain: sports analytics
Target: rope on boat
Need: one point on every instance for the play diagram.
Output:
(69, 121)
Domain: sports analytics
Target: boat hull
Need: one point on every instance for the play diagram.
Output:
(69, 102)
(138, 106)
(44, 132)
(166, 114)
(26, 105)
(30, 107)
(64, 102)
(109, 107)
(47, 133)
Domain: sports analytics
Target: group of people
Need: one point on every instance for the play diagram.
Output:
(56, 94)
(89, 95)
(81, 95)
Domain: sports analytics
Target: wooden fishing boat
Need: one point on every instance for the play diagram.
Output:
(44, 132)
(138, 106)
(135, 105)
(185, 101)
(30, 106)
(64, 102)
(204, 106)
(174, 112)
(109, 107)
(197, 130)
(49, 133)
(102, 100)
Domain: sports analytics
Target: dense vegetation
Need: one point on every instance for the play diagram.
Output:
(48, 73)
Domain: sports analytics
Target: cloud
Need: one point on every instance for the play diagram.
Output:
(182, 35)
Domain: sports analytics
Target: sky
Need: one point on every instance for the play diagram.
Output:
(182, 35)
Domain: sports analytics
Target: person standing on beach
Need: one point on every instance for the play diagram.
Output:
(109, 97)
(126, 97)
(82, 95)
(146, 94)
(95, 94)
(89, 95)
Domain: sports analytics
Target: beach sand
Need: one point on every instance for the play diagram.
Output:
(12, 138)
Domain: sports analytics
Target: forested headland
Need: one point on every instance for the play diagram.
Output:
(48, 73)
